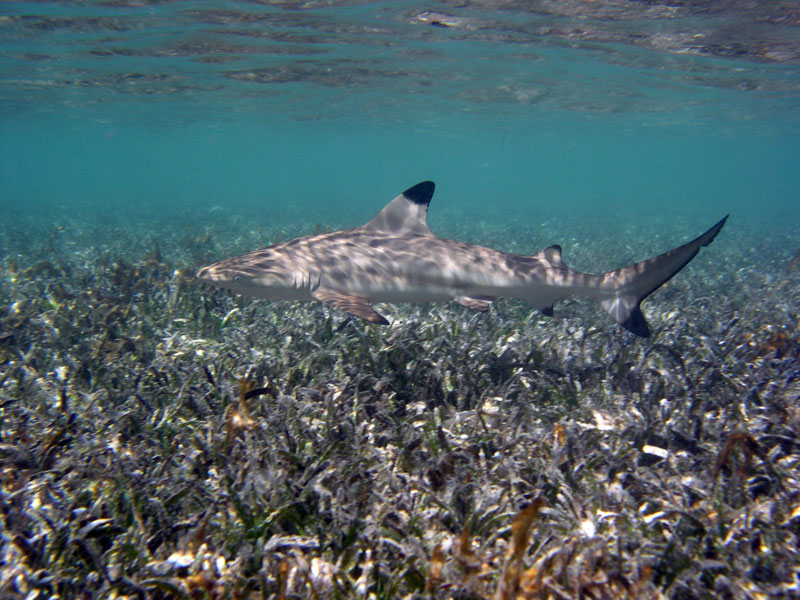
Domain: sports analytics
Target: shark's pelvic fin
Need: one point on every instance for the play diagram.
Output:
(407, 213)
(634, 283)
(353, 305)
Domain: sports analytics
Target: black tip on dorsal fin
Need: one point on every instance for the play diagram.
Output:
(406, 213)
(421, 193)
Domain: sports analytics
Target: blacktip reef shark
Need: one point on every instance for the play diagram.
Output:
(395, 257)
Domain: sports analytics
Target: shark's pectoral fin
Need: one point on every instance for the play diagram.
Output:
(353, 305)
(479, 304)
(548, 311)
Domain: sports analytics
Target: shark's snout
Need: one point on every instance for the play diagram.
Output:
(214, 274)
(206, 274)
(225, 275)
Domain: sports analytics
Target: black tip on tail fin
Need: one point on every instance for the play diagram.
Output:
(709, 235)
(636, 323)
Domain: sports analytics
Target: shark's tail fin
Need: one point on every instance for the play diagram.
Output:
(634, 283)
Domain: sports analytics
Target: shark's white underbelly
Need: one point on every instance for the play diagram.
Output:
(539, 294)
(408, 295)
(402, 290)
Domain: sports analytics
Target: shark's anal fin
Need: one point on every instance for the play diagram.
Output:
(479, 304)
(353, 305)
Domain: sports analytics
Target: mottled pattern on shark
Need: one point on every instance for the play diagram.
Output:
(395, 257)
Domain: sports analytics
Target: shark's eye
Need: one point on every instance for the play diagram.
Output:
(237, 277)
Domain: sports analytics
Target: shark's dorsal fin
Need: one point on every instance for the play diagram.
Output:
(406, 213)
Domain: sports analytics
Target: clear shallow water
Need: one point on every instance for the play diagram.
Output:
(141, 141)
(296, 110)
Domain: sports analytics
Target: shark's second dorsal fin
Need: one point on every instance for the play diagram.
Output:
(406, 213)
(552, 254)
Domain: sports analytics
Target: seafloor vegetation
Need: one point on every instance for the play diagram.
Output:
(161, 439)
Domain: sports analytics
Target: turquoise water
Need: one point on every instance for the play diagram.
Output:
(293, 110)
(158, 434)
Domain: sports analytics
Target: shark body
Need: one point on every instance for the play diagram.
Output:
(395, 257)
